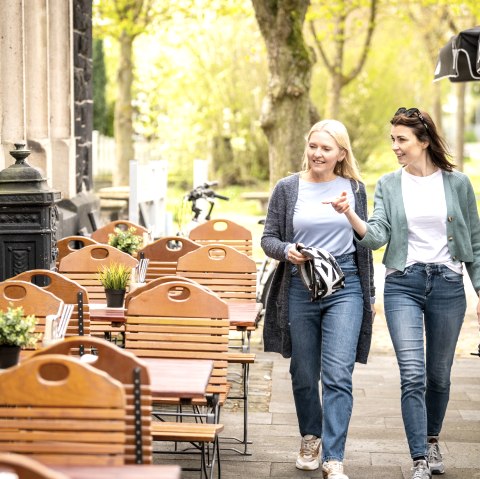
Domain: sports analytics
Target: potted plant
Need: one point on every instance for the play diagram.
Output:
(115, 278)
(126, 240)
(16, 331)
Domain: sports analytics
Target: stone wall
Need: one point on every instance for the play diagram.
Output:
(82, 68)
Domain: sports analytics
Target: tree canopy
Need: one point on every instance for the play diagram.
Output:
(240, 82)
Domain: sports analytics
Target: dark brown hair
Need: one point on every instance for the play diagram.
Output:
(427, 131)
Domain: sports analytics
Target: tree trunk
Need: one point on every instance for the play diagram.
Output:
(460, 125)
(333, 96)
(123, 124)
(286, 109)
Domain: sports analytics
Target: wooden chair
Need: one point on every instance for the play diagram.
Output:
(163, 255)
(33, 299)
(68, 291)
(101, 234)
(161, 323)
(27, 468)
(225, 232)
(223, 269)
(61, 411)
(154, 283)
(70, 244)
(133, 374)
(83, 266)
(232, 276)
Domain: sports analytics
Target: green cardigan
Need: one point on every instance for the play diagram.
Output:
(388, 224)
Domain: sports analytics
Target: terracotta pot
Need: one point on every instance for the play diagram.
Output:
(9, 356)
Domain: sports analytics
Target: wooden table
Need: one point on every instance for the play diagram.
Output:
(242, 314)
(130, 471)
(100, 312)
(180, 378)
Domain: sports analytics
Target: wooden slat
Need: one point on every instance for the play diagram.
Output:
(225, 232)
(101, 234)
(69, 413)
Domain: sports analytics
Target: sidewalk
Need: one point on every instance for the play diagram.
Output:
(376, 445)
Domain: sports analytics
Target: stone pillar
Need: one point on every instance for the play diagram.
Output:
(12, 86)
(46, 98)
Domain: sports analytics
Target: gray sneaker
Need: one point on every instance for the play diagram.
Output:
(307, 458)
(420, 470)
(434, 456)
(333, 470)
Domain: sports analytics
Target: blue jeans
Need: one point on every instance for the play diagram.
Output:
(324, 339)
(428, 297)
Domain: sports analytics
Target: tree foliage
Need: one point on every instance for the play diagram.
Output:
(337, 28)
(235, 81)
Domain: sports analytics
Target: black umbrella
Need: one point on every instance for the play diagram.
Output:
(459, 59)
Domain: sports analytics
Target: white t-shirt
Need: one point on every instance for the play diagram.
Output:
(426, 211)
(319, 225)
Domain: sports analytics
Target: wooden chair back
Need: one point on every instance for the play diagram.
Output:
(68, 291)
(223, 269)
(70, 244)
(130, 371)
(163, 255)
(61, 411)
(162, 323)
(152, 284)
(33, 299)
(83, 266)
(26, 468)
(101, 234)
(225, 232)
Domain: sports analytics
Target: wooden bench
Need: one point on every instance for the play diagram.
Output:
(262, 197)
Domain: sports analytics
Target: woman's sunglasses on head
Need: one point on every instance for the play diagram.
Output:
(410, 112)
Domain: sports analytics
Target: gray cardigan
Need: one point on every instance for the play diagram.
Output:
(388, 223)
(278, 233)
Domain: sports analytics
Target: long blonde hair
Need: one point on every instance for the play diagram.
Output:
(348, 168)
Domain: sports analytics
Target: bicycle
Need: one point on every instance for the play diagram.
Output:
(265, 274)
(202, 194)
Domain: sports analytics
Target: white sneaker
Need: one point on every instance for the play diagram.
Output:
(420, 470)
(333, 470)
(307, 458)
(434, 456)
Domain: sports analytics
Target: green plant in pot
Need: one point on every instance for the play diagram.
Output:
(17, 331)
(115, 278)
(127, 240)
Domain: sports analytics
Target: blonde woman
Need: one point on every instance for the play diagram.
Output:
(323, 338)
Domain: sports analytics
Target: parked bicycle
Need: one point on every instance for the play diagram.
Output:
(202, 199)
(265, 274)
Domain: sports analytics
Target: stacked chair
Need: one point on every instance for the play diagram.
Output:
(101, 234)
(225, 232)
(33, 299)
(69, 292)
(182, 320)
(163, 255)
(70, 413)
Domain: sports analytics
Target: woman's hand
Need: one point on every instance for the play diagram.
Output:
(340, 204)
(294, 256)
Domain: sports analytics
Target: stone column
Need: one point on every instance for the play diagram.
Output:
(36, 81)
(12, 86)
